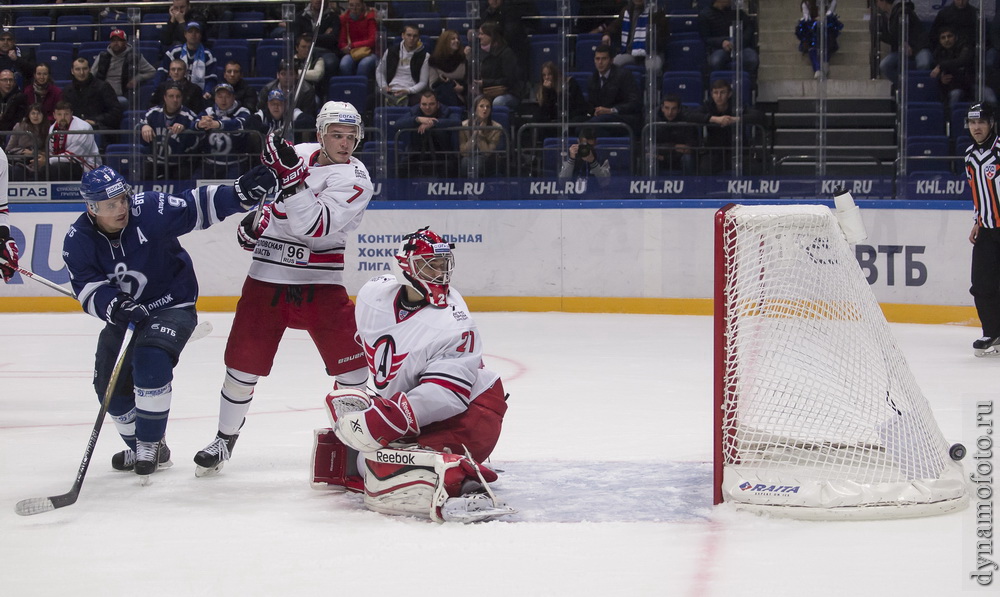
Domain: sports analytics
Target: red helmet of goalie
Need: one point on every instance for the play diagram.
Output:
(426, 263)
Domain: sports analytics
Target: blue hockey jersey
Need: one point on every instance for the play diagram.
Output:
(145, 260)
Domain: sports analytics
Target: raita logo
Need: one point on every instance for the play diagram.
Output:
(765, 488)
(745, 485)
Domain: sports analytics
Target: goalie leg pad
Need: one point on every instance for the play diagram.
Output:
(334, 465)
(428, 484)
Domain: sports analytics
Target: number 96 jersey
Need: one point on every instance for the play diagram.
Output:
(432, 355)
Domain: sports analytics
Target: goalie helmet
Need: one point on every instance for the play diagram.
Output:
(425, 262)
(340, 113)
(101, 184)
(981, 110)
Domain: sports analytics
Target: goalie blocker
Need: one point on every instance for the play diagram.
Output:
(409, 480)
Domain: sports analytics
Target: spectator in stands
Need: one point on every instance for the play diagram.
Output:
(72, 151)
(807, 31)
(547, 95)
(499, 76)
(180, 13)
(287, 81)
(358, 34)
(13, 104)
(629, 35)
(676, 137)
(431, 150)
(227, 152)
(720, 112)
(116, 65)
(962, 17)
(448, 71)
(716, 23)
(890, 26)
(403, 73)
(508, 17)
(11, 58)
(315, 71)
(43, 91)
(177, 75)
(245, 95)
(613, 94)
(479, 147)
(93, 100)
(199, 60)
(167, 138)
(953, 66)
(582, 161)
(271, 119)
(326, 33)
(28, 152)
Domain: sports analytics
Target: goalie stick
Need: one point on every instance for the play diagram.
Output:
(47, 504)
(200, 331)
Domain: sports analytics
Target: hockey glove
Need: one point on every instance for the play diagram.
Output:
(8, 250)
(371, 428)
(248, 235)
(279, 155)
(122, 310)
(255, 185)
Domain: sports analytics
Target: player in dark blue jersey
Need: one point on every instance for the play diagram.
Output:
(127, 267)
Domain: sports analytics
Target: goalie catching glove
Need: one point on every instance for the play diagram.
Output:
(368, 423)
(254, 186)
(290, 169)
(8, 250)
(247, 234)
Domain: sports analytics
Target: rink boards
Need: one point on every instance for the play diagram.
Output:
(648, 256)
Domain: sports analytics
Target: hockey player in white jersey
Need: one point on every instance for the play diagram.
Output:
(8, 248)
(296, 277)
(437, 411)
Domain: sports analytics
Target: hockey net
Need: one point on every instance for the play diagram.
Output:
(817, 413)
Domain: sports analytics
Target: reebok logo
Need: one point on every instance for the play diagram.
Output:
(393, 457)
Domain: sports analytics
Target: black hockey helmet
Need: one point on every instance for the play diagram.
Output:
(982, 110)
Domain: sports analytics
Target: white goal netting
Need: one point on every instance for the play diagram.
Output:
(820, 415)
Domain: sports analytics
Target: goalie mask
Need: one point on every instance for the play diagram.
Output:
(340, 113)
(426, 263)
(102, 184)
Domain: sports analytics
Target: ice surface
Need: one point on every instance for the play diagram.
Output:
(606, 454)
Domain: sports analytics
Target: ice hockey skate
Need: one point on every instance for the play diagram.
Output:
(125, 460)
(146, 460)
(211, 460)
(986, 346)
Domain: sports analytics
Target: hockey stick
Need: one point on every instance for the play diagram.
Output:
(46, 504)
(200, 331)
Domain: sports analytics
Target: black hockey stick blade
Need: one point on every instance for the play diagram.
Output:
(38, 505)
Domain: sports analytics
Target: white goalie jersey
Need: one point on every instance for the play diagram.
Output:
(432, 355)
(306, 240)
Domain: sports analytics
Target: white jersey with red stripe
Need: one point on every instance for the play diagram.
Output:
(306, 240)
(433, 355)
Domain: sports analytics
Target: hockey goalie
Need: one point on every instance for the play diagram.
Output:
(415, 445)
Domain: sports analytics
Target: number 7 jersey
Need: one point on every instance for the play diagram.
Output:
(432, 355)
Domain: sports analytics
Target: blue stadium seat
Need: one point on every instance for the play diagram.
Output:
(583, 57)
(411, 7)
(451, 7)
(119, 157)
(923, 148)
(348, 91)
(132, 118)
(542, 51)
(429, 23)
(74, 28)
(618, 152)
(248, 25)
(90, 50)
(925, 119)
(33, 30)
(957, 126)
(552, 156)
(387, 117)
(60, 62)
(551, 26)
(232, 49)
(582, 79)
(921, 87)
(683, 26)
(685, 54)
(269, 54)
(151, 26)
(150, 50)
(501, 115)
(687, 84)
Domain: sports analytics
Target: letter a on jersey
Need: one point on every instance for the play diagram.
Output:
(383, 362)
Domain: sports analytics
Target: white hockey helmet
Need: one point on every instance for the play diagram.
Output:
(425, 263)
(340, 113)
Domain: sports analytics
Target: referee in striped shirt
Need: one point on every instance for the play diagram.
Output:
(981, 164)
